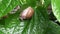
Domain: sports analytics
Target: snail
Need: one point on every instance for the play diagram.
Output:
(27, 13)
(15, 10)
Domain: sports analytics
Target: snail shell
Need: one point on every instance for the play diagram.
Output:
(27, 13)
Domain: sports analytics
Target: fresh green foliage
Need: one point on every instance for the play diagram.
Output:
(56, 8)
(38, 24)
(6, 6)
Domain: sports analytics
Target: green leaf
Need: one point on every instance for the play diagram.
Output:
(44, 3)
(47, 3)
(53, 28)
(38, 24)
(6, 6)
(56, 8)
(28, 2)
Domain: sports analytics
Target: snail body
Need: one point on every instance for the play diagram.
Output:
(15, 10)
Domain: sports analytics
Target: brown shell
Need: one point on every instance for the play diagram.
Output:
(27, 13)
